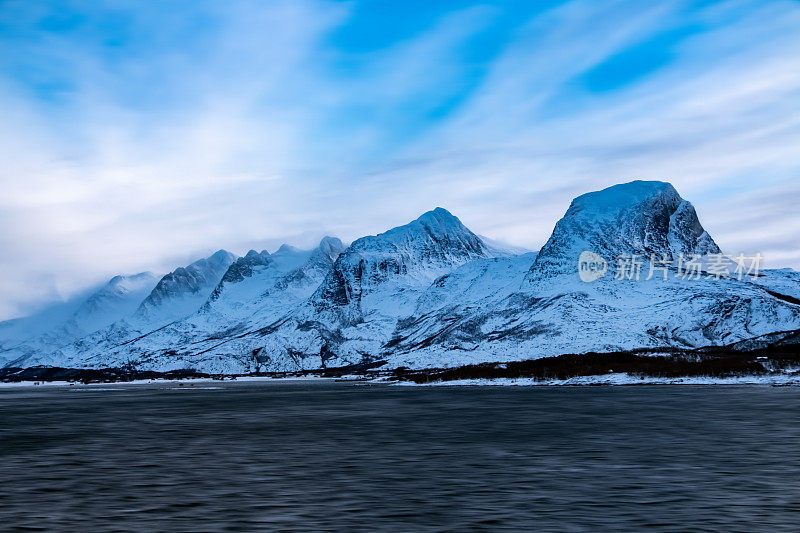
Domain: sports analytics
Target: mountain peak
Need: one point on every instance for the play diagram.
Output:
(437, 213)
(286, 249)
(128, 282)
(184, 289)
(410, 256)
(253, 255)
(331, 247)
(640, 217)
(437, 225)
(222, 256)
(436, 229)
(439, 218)
(622, 196)
(243, 267)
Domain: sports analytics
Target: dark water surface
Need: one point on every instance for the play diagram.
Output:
(343, 457)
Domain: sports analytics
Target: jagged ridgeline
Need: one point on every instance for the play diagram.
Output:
(430, 293)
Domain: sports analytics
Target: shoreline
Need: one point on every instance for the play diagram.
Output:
(605, 380)
(615, 380)
(163, 381)
(775, 366)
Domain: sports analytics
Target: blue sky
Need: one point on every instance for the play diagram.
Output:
(142, 135)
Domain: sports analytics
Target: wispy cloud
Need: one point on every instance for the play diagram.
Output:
(137, 136)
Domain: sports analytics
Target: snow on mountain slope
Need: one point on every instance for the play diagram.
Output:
(255, 290)
(177, 294)
(444, 312)
(476, 282)
(375, 273)
(783, 283)
(118, 298)
(112, 301)
(640, 217)
(184, 290)
(373, 284)
(605, 316)
(554, 312)
(250, 278)
(432, 293)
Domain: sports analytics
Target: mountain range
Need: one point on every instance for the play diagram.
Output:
(430, 293)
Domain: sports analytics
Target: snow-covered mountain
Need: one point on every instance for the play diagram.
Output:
(126, 307)
(256, 289)
(432, 293)
(295, 309)
(553, 312)
(640, 217)
(117, 298)
(372, 285)
(64, 323)
(783, 283)
(184, 290)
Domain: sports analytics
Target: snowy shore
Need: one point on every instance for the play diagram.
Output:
(612, 379)
(621, 379)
